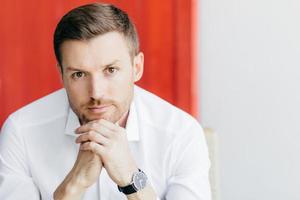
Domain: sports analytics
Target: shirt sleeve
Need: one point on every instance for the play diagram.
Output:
(15, 179)
(189, 178)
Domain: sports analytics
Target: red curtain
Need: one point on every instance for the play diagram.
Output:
(27, 63)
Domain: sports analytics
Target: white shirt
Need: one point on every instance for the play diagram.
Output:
(38, 150)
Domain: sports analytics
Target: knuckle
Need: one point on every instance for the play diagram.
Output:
(93, 125)
(91, 145)
(92, 135)
(100, 129)
(89, 133)
(113, 135)
(82, 137)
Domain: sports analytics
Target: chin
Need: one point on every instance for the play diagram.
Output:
(109, 117)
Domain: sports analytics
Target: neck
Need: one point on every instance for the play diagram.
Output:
(123, 120)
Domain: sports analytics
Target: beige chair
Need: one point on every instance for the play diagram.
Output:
(212, 143)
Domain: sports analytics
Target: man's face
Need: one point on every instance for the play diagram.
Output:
(99, 76)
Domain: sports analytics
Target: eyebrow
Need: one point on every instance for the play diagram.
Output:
(70, 68)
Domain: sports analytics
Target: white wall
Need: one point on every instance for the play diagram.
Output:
(250, 94)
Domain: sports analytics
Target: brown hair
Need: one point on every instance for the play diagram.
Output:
(88, 21)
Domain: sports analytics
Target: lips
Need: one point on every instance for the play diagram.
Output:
(99, 109)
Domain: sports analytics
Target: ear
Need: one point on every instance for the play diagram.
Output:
(59, 67)
(138, 66)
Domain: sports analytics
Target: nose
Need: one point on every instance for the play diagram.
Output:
(97, 87)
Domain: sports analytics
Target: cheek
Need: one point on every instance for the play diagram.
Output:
(128, 79)
(74, 97)
(76, 92)
(125, 92)
(121, 93)
(121, 84)
(125, 86)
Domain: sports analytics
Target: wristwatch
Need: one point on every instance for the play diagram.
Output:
(139, 181)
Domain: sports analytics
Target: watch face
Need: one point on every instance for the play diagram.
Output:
(139, 180)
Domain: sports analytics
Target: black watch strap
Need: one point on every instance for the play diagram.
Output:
(129, 189)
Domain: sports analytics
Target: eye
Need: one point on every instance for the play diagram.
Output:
(77, 75)
(111, 70)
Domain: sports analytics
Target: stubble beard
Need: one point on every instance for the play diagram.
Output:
(114, 116)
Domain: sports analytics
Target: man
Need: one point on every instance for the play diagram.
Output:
(101, 137)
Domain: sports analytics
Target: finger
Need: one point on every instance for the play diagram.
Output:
(96, 127)
(109, 125)
(92, 136)
(86, 127)
(94, 147)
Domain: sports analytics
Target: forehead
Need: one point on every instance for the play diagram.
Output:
(99, 50)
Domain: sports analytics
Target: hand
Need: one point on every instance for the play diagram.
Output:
(109, 141)
(84, 173)
(87, 168)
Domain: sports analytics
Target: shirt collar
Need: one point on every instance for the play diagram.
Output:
(132, 128)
